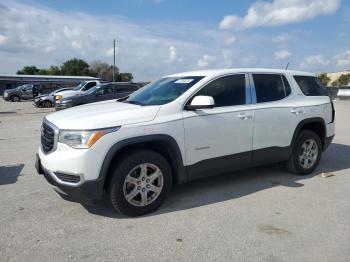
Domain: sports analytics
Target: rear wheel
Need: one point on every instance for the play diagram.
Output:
(306, 153)
(15, 98)
(140, 183)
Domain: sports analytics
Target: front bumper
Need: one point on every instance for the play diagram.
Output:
(85, 192)
(61, 106)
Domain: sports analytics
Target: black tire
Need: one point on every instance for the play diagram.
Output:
(294, 164)
(47, 104)
(15, 98)
(120, 172)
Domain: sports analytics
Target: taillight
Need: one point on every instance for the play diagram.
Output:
(333, 111)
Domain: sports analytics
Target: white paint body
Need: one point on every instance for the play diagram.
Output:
(200, 134)
(67, 93)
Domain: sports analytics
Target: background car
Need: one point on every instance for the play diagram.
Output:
(47, 100)
(19, 93)
(343, 93)
(81, 88)
(98, 93)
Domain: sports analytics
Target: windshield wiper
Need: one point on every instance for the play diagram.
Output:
(134, 103)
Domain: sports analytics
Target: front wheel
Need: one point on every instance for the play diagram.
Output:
(306, 153)
(140, 183)
(47, 104)
(15, 99)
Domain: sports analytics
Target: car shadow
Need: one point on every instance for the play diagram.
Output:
(9, 174)
(235, 185)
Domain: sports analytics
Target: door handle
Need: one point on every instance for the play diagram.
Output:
(244, 116)
(296, 111)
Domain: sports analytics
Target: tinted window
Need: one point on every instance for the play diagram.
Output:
(88, 86)
(269, 87)
(286, 85)
(311, 86)
(125, 88)
(226, 91)
(106, 90)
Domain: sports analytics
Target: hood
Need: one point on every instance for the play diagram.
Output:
(103, 114)
(67, 93)
(78, 98)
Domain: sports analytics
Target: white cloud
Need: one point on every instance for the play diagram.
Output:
(343, 59)
(282, 54)
(279, 12)
(231, 40)
(172, 54)
(227, 58)
(228, 22)
(205, 61)
(282, 38)
(315, 61)
(36, 35)
(109, 52)
(3, 39)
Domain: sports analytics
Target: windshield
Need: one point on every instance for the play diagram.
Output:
(77, 88)
(163, 91)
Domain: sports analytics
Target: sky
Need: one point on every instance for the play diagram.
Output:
(160, 37)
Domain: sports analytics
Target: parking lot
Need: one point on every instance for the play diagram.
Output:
(262, 214)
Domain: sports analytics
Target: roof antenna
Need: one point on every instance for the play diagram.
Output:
(287, 65)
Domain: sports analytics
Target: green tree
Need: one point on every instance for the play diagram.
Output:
(335, 83)
(324, 78)
(28, 70)
(344, 80)
(103, 70)
(75, 67)
(124, 77)
(54, 70)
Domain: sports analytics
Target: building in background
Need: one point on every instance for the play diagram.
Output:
(47, 83)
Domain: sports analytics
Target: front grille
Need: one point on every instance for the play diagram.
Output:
(47, 137)
(68, 178)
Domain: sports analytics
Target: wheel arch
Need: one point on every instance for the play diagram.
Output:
(315, 124)
(163, 144)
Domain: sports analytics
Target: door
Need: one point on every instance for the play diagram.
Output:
(27, 92)
(275, 118)
(218, 140)
(106, 92)
(124, 90)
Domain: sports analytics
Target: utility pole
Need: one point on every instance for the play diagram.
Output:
(113, 60)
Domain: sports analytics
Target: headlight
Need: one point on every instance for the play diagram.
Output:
(83, 139)
(58, 97)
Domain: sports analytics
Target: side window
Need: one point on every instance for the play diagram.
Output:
(269, 87)
(125, 88)
(226, 91)
(88, 86)
(106, 90)
(311, 86)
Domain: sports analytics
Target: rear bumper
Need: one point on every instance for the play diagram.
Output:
(86, 192)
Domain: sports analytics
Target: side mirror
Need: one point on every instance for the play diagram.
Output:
(201, 102)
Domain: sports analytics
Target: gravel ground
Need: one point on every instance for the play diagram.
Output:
(262, 214)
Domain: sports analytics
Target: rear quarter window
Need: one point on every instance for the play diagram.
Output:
(311, 86)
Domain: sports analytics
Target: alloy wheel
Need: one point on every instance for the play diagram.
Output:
(143, 184)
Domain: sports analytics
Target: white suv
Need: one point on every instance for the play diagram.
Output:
(183, 127)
